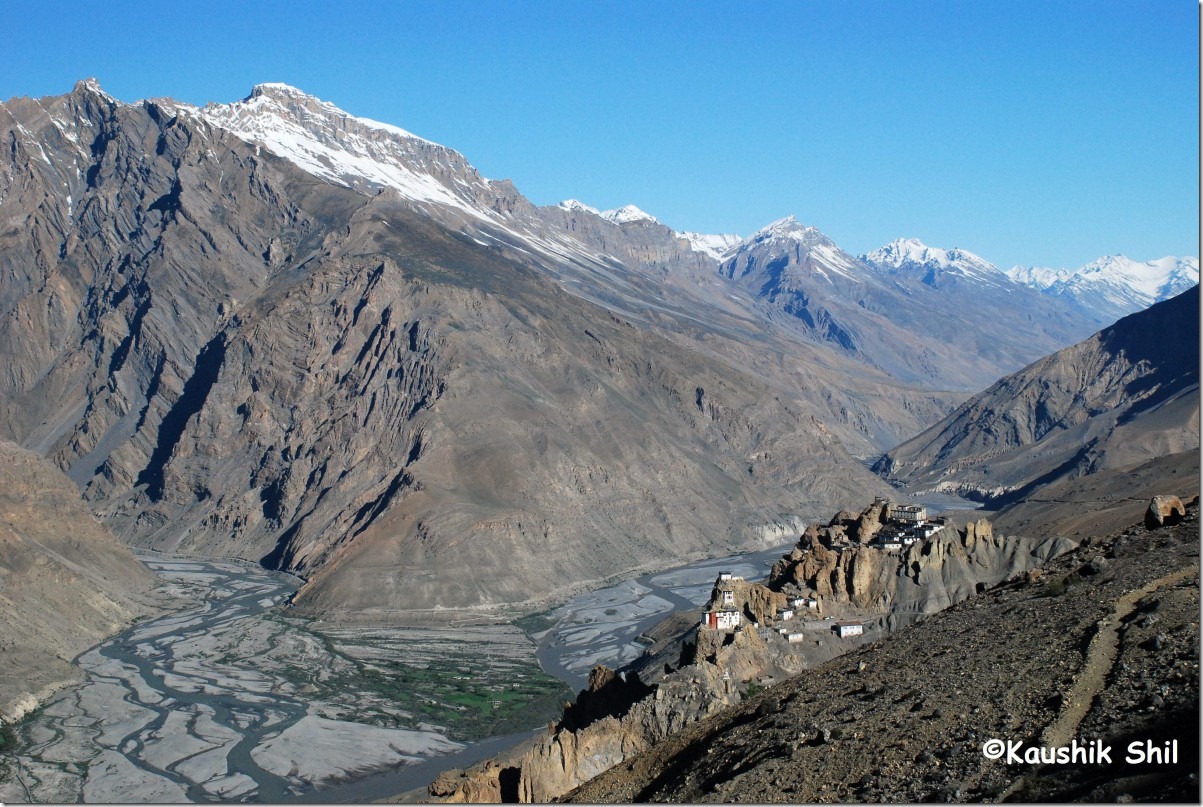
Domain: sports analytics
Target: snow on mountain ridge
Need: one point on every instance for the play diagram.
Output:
(913, 254)
(1122, 282)
(718, 247)
(788, 227)
(787, 236)
(355, 152)
(627, 214)
(1038, 277)
(574, 206)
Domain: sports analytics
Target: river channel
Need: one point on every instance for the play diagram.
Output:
(603, 626)
(229, 699)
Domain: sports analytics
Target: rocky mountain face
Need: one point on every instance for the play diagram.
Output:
(622, 717)
(65, 581)
(1127, 395)
(404, 398)
(1114, 285)
(857, 578)
(932, 317)
(1110, 638)
(274, 330)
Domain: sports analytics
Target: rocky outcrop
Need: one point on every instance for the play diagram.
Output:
(571, 754)
(66, 583)
(608, 727)
(1111, 656)
(619, 716)
(1164, 510)
(924, 578)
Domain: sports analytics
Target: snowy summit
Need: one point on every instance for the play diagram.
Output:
(912, 255)
(573, 206)
(626, 214)
(1115, 282)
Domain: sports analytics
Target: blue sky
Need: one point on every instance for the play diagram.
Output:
(1045, 133)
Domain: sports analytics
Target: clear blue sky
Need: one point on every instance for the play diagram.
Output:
(1046, 133)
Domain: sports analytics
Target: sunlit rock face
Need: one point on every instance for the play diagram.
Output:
(1125, 396)
(402, 399)
(67, 582)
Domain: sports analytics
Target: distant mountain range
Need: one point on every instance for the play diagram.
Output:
(275, 330)
(1114, 286)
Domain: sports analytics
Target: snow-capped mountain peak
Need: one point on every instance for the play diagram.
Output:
(1114, 284)
(93, 86)
(1156, 279)
(627, 214)
(718, 247)
(788, 228)
(1038, 277)
(356, 152)
(574, 206)
(911, 254)
(807, 245)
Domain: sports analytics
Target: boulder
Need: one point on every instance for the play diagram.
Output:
(1163, 511)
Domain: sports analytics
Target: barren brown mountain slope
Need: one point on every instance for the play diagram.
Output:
(65, 581)
(1102, 502)
(1101, 646)
(1127, 395)
(231, 356)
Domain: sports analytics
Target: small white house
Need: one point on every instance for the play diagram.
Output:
(723, 577)
(846, 629)
(785, 614)
(795, 637)
(722, 620)
(728, 597)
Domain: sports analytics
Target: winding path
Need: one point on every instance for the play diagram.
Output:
(1100, 658)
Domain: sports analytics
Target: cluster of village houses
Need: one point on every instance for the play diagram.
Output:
(728, 616)
(905, 524)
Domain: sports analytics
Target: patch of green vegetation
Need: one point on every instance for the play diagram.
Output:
(753, 689)
(536, 623)
(8, 739)
(611, 611)
(483, 702)
(10, 733)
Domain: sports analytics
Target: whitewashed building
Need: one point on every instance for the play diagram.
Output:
(722, 620)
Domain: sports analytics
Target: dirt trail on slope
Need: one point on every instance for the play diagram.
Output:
(1100, 657)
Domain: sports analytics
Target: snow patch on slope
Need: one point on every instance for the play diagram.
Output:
(331, 144)
(718, 247)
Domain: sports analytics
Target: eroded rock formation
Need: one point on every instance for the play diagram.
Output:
(610, 726)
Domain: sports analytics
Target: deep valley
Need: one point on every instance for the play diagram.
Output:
(332, 470)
